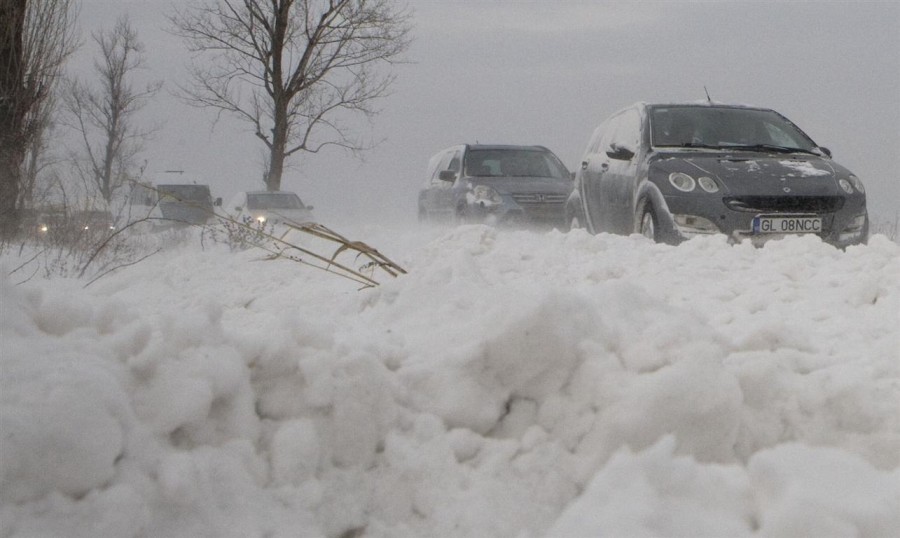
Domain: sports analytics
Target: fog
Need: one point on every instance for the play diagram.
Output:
(547, 73)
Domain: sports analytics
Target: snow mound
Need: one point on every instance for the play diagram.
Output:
(512, 384)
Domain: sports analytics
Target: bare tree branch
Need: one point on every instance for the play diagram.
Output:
(103, 113)
(293, 69)
(36, 38)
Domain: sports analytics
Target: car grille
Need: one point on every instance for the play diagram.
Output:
(536, 198)
(541, 206)
(785, 204)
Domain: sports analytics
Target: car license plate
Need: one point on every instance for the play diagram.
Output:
(786, 225)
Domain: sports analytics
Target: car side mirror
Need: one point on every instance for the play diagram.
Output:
(447, 175)
(218, 202)
(825, 150)
(620, 153)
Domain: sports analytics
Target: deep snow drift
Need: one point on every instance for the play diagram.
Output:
(512, 384)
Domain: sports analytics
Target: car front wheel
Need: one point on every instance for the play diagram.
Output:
(575, 223)
(648, 223)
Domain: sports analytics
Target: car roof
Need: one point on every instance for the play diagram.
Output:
(699, 104)
(505, 146)
(271, 192)
(708, 104)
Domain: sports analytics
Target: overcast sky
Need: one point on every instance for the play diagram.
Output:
(547, 72)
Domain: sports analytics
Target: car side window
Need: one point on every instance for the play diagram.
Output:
(628, 130)
(455, 161)
(594, 143)
(443, 164)
(606, 139)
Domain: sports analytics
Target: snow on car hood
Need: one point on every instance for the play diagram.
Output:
(808, 175)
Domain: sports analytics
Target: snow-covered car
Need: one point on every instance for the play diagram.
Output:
(269, 207)
(186, 203)
(495, 184)
(62, 226)
(675, 171)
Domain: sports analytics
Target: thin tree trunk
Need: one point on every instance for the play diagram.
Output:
(12, 113)
(276, 156)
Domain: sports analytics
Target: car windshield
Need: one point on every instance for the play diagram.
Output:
(274, 200)
(725, 128)
(187, 193)
(513, 163)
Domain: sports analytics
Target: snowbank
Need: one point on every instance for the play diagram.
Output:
(512, 384)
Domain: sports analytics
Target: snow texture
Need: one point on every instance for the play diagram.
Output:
(512, 384)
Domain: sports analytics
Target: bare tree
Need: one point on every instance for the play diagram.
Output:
(103, 113)
(292, 68)
(38, 156)
(36, 38)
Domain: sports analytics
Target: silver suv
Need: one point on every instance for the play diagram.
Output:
(493, 184)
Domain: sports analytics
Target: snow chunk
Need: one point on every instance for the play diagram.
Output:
(805, 168)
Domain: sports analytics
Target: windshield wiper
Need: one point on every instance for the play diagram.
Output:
(768, 147)
(688, 145)
(699, 145)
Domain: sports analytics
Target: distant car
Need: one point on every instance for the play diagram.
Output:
(186, 203)
(74, 226)
(269, 207)
(675, 171)
(495, 184)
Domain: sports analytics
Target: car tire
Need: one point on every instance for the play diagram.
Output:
(575, 223)
(648, 225)
(460, 216)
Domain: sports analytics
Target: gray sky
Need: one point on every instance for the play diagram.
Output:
(547, 72)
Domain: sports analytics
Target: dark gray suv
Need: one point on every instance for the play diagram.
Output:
(494, 184)
(675, 171)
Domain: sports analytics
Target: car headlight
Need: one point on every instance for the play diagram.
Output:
(857, 184)
(708, 184)
(482, 194)
(682, 181)
(846, 186)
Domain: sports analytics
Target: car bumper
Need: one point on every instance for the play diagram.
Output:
(844, 221)
(537, 209)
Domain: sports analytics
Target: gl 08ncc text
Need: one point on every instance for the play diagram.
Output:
(781, 225)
